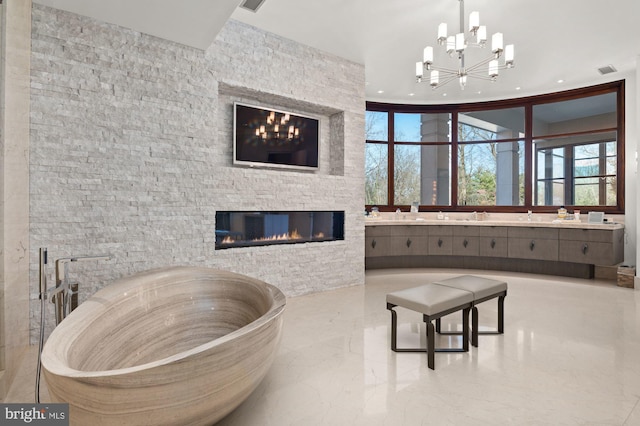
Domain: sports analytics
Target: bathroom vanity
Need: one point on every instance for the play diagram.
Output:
(567, 248)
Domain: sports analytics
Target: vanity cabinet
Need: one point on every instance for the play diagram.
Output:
(493, 241)
(465, 241)
(377, 241)
(440, 240)
(568, 250)
(601, 247)
(409, 240)
(533, 243)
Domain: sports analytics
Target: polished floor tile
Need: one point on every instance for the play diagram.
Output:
(570, 355)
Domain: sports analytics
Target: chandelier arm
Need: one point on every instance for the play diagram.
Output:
(480, 76)
(480, 64)
(455, 71)
(446, 80)
(482, 73)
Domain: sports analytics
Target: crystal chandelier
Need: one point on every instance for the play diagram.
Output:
(486, 69)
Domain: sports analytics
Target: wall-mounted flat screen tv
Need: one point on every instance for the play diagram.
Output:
(272, 138)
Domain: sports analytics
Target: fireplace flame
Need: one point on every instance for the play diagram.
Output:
(293, 235)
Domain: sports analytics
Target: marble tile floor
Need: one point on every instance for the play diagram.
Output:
(570, 355)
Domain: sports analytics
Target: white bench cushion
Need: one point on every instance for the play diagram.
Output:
(430, 299)
(481, 287)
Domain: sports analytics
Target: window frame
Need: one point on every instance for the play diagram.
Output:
(617, 87)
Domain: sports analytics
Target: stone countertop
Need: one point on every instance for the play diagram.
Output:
(509, 223)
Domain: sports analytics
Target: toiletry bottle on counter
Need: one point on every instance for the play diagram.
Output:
(562, 212)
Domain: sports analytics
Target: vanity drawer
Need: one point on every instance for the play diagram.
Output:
(440, 230)
(493, 247)
(440, 245)
(532, 232)
(493, 231)
(594, 235)
(465, 246)
(377, 231)
(533, 248)
(408, 245)
(588, 252)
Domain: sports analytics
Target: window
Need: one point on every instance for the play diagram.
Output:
(576, 151)
(376, 173)
(376, 158)
(576, 173)
(422, 158)
(532, 153)
(491, 174)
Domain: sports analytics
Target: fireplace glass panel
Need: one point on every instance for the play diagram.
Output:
(249, 229)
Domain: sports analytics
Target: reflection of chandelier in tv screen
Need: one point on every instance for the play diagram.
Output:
(278, 127)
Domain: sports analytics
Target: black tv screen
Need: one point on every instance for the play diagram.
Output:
(268, 137)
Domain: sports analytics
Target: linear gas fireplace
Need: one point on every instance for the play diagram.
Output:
(249, 228)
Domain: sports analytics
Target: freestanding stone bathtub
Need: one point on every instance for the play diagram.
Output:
(173, 346)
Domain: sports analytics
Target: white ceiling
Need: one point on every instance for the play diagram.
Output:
(194, 23)
(554, 39)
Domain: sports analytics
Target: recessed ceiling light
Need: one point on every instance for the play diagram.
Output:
(380, 91)
(561, 81)
(444, 94)
(479, 92)
(518, 88)
(411, 94)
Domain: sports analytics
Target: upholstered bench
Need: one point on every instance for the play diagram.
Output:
(483, 289)
(433, 301)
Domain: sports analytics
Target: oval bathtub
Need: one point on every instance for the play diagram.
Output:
(172, 346)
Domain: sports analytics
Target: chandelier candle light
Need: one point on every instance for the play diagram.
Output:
(457, 44)
(277, 129)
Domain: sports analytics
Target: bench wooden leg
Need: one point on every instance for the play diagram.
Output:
(501, 314)
(465, 333)
(446, 333)
(500, 329)
(465, 329)
(394, 330)
(431, 346)
(394, 334)
(430, 336)
(474, 326)
(475, 332)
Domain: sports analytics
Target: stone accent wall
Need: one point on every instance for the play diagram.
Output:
(131, 152)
